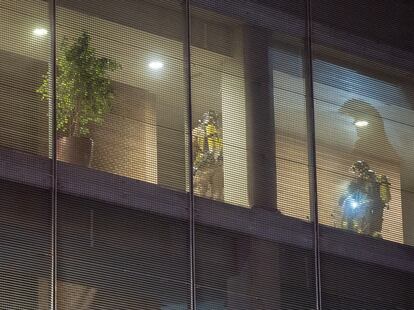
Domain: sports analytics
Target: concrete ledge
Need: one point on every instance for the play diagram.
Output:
(259, 223)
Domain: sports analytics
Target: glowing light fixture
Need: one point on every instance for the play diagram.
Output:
(155, 65)
(40, 32)
(361, 123)
(354, 204)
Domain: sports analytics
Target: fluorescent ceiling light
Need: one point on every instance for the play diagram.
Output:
(155, 65)
(40, 32)
(361, 123)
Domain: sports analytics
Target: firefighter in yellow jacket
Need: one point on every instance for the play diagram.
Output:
(208, 157)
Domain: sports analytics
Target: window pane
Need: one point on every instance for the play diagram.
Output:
(25, 212)
(364, 141)
(249, 140)
(24, 56)
(124, 244)
(364, 121)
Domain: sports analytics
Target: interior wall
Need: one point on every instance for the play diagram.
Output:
(126, 143)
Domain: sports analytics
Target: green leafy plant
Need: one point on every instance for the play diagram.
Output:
(83, 89)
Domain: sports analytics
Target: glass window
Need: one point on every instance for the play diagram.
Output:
(249, 143)
(24, 48)
(122, 101)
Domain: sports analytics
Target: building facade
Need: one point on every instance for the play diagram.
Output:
(200, 154)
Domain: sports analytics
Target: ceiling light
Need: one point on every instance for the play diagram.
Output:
(155, 65)
(40, 32)
(361, 123)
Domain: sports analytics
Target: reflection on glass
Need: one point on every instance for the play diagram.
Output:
(371, 136)
(73, 295)
(291, 132)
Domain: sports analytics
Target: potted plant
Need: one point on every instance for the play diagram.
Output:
(83, 96)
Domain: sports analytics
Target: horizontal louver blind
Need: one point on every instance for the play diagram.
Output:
(109, 256)
(24, 56)
(364, 112)
(129, 235)
(25, 212)
(25, 261)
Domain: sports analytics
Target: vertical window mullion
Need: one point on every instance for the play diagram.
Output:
(311, 143)
(187, 64)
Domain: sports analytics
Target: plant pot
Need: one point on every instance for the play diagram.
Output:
(75, 150)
